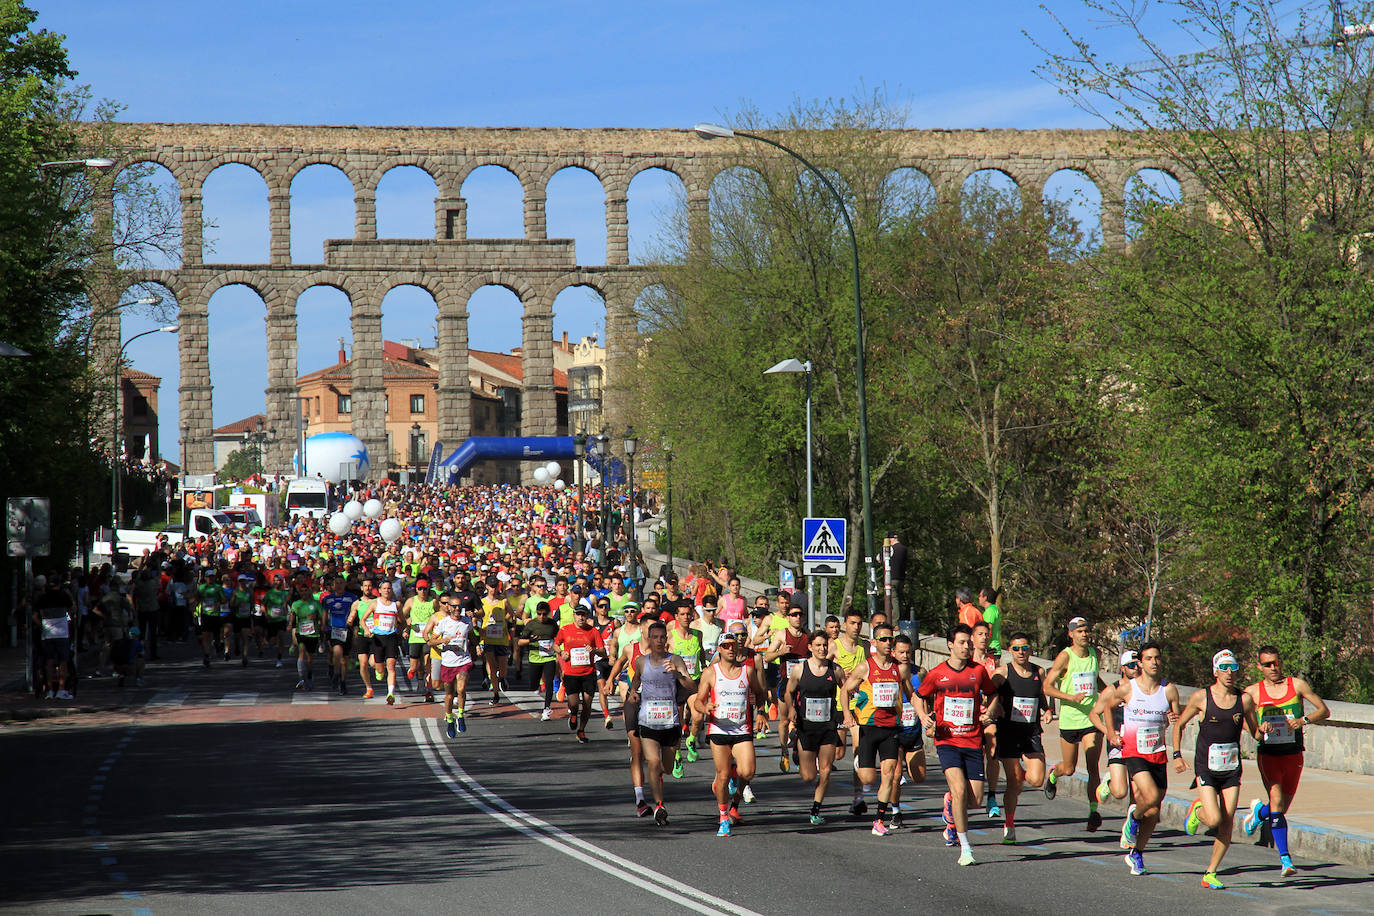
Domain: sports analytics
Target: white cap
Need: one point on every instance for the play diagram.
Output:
(1129, 658)
(1224, 657)
(1076, 622)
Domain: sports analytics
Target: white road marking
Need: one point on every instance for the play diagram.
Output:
(309, 698)
(165, 698)
(239, 699)
(543, 832)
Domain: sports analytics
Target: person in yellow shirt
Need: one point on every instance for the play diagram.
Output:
(495, 623)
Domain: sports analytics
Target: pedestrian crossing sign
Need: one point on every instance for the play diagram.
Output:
(823, 539)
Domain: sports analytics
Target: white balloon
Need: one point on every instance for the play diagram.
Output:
(353, 509)
(541, 475)
(339, 523)
(554, 469)
(390, 529)
(373, 508)
(559, 484)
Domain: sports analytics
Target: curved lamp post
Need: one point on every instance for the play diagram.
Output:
(715, 131)
(116, 505)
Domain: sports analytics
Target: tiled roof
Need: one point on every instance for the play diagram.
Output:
(134, 374)
(238, 427)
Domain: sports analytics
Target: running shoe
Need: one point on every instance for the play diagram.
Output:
(572, 723)
(1094, 820)
(1136, 861)
(610, 723)
(1252, 818)
(546, 715)
(948, 812)
(278, 665)
(1194, 820)
(732, 787)
(494, 701)
(734, 815)
(1211, 883)
(679, 768)
(462, 724)
(951, 836)
(692, 755)
(367, 694)
(1008, 836)
(894, 822)
(994, 812)
(784, 763)
(966, 858)
(1285, 863)
(450, 727)
(1104, 791)
(724, 828)
(429, 696)
(502, 682)
(51, 694)
(748, 795)
(661, 816)
(879, 828)
(377, 675)
(1129, 829)
(642, 808)
(1050, 788)
(859, 808)
(391, 699)
(582, 737)
(817, 820)
(65, 695)
(300, 685)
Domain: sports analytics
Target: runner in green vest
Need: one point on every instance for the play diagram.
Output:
(1073, 680)
(277, 601)
(307, 617)
(685, 642)
(210, 604)
(418, 609)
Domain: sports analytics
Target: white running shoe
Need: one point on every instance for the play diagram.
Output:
(546, 715)
(748, 795)
(65, 695)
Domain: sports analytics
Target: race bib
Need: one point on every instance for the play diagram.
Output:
(732, 707)
(54, 627)
(259, 610)
(495, 630)
(693, 665)
(908, 716)
(885, 694)
(306, 627)
(959, 710)
(1149, 739)
(580, 656)
(277, 612)
(1023, 708)
(1282, 733)
(790, 666)
(658, 713)
(1223, 758)
(1083, 682)
(546, 646)
(338, 633)
(818, 709)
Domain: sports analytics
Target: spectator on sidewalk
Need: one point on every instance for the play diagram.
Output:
(52, 618)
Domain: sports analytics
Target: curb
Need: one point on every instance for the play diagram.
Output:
(1321, 844)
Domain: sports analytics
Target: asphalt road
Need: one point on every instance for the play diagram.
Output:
(225, 792)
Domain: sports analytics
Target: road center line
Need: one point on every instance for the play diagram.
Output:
(432, 749)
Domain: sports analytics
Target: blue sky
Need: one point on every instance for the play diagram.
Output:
(519, 63)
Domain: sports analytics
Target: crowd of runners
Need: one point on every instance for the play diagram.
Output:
(484, 592)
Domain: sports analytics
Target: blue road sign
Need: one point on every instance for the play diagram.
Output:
(823, 539)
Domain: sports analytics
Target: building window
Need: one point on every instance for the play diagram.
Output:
(345, 403)
(386, 405)
(140, 406)
(417, 403)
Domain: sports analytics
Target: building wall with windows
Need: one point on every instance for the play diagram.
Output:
(138, 414)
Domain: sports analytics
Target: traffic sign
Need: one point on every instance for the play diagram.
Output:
(828, 568)
(823, 539)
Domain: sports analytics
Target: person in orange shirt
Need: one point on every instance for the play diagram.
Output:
(964, 609)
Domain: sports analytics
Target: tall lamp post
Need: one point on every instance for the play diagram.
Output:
(668, 496)
(415, 435)
(579, 452)
(631, 446)
(116, 506)
(715, 131)
(796, 365)
(603, 443)
(257, 439)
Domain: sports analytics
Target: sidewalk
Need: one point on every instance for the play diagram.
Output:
(1331, 819)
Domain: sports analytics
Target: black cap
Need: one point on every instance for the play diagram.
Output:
(467, 603)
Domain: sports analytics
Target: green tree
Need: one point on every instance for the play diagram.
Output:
(1242, 322)
(241, 464)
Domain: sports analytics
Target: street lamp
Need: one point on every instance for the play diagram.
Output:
(415, 435)
(668, 496)
(603, 443)
(101, 163)
(116, 506)
(257, 439)
(579, 452)
(715, 131)
(631, 445)
(796, 365)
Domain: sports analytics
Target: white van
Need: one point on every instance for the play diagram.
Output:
(308, 496)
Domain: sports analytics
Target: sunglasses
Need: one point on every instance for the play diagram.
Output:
(1273, 664)
(1228, 666)
(1019, 648)
(794, 614)
(883, 639)
(1132, 665)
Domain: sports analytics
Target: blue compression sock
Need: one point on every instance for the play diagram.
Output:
(1278, 829)
(1264, 812)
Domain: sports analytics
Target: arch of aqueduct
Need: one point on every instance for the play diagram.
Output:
(451, 267)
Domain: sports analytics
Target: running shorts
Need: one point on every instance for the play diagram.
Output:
(968, 759)
(812, 736)
(729, 740)
(876, 742)
(1283, 770)
(362, 643)
(57, 650)
(449, 673)
(631, 712)
(1076, 735)
(311, 643)
(1157, 771)
(574, 684)
(496, 651)
(418, 649)
(666, 737)
(910, 739)
(1218, 781)
(275, 627)
(1014, 743)
(386, 646)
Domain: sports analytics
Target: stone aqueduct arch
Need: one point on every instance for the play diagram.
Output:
(451, 267)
